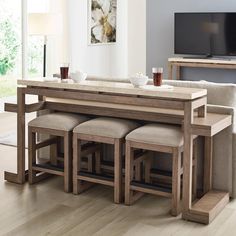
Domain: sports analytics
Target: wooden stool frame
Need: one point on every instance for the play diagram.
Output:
(33, 147)
(40, 172)
(82, 182)
(134, 192)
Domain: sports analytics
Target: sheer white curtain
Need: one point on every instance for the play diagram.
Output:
(24, 38)
(58, 45)
(57, 51)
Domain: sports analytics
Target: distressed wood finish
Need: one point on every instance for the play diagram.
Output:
(79, 178)
(177, 93)
(33, 147)
(210, 125)
(187, 161)
(132, 189)
(37, 172)
(20, 177)
(207, 182)
(197, 63)
(163, 106)
(208, 207)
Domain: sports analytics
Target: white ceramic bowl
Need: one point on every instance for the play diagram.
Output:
(138, 81)
(78, 77)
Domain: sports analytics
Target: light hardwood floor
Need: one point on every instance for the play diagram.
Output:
(44, 209)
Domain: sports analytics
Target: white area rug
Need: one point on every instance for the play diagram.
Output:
(10, 138)
(8, 132)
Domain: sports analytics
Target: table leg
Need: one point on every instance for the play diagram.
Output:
(178, 72)
(202, 111)
(19, 178)
(187, 161)
(207, 183)
(170, 71)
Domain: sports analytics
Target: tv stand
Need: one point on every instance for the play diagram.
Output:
(208, 57)
(180, 62)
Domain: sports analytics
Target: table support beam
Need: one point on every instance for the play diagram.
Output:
(20, 177)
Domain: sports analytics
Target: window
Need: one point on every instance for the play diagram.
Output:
(10, 46)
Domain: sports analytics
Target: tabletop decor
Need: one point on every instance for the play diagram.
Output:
(138, 80)
(102, 21)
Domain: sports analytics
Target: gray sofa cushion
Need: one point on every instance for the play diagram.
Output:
(217, 93)
(107, 127)
(234, 164)
(220, 94)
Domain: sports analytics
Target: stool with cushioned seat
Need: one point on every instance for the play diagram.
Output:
(56, 125)
(157, 138)
(107, 131)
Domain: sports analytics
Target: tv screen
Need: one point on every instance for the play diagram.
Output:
(205, 34)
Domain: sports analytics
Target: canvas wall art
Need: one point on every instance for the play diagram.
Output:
(102, 21)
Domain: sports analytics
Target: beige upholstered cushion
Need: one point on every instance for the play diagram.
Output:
(58, 121)
(107, 127)
(159, 134)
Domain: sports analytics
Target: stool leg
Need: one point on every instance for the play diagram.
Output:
(31, 155)
(53, 153)
(129, 159)
(195, 170)
(90, 163)
(117, 171)
(176, 180)
(148, 164)
(98, 161)
(76, 150)
(67, 163)
(138, 171)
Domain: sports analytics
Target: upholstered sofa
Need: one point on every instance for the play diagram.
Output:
(221, 99)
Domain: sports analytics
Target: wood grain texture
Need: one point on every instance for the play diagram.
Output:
(187, 160)
(44, 209)
(179, 62)
(208, 207)
(208, 161)
(119, 88)
(211, 124)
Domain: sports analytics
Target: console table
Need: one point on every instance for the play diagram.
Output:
(185, 106)
(197, 63)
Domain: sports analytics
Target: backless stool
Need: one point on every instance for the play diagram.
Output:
(102, 130)
(56, 125)
(157, 138)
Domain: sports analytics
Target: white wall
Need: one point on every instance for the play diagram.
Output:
(125, 57)
(102, 60)
(136, 36)
(160, 35)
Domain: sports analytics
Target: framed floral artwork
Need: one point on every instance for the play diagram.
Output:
(102, 21)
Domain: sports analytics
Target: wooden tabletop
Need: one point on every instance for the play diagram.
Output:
(178, 93)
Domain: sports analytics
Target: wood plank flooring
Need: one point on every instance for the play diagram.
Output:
(44, 209)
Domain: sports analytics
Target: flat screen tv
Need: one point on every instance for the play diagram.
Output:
(208, 34)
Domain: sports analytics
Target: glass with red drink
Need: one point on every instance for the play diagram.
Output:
(64, 71)
(157, 76)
